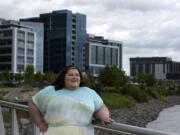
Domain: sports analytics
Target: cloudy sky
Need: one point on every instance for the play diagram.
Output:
(147, 28)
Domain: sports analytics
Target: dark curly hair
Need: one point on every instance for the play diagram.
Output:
(59, 83)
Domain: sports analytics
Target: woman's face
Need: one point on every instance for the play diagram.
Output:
(72, 79)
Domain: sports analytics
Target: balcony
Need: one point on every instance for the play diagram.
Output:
(114, 128)
(5, 46)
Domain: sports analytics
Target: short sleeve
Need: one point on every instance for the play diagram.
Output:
(98, 102)
(41, 99)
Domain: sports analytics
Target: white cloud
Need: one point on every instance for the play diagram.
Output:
(146, 27)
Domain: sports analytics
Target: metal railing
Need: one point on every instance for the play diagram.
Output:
(115, 128)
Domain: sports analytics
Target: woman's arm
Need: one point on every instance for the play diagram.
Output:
(36, 117)
(103, 115)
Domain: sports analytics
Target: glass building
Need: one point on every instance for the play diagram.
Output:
(39, 29)
(100, 52)
(64, 37)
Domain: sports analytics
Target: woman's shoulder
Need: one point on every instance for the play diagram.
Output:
(84, 88)
(48, 89)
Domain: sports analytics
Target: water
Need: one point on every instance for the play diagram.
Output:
(168, 120)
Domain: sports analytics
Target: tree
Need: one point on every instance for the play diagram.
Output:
(49, 76)
(19, 77)
(6, 75)
(112, 76)
(38, 77)
(147, 79)
(1, 76)
(29, 75)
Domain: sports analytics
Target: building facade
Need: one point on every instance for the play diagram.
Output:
(100, 52)
(39, 29)
(64, 37)
(17, 46)
(160, 67)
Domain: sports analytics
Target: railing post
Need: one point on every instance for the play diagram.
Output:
(36, 130)
(14, 123)
(2, 131)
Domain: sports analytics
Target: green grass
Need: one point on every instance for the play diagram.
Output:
(20, 114)
(3, 93)
(27, 90)
(116, 100)
(6, 117)
(1, 98)
(2, 86)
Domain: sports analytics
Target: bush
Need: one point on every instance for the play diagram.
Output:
(162, 91)
(2, 86)
(1, 98)
(177, 90)
(135, 92)
(152, 92)
(115, 100)
(27, 90)
(3, 93)
(112, 89)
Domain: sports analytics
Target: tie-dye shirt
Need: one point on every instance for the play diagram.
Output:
(68, 112)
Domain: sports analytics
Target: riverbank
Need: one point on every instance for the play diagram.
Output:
(143, 113)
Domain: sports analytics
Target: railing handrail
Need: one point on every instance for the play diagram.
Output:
(123, 129)
(14, 105)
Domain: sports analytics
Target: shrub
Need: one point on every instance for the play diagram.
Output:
(115, 100)
(27, 90)
(178, 90)
(3, 93)
(151, 91)
(112, 89)
(135, 92)
(2, 86)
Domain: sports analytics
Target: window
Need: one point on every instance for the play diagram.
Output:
(20, 59)
(20, 51)
(93, 54)
(107, 56)
(20, 67)
(30, 36)
(21, 34)
(100, 57)
(114, 56)
(29, 60)
(21, 43)
(30, 52)
(1, 35)
(30, 45)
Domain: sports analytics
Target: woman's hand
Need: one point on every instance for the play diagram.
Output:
(103, 115)
(43, 127)
(105, 119)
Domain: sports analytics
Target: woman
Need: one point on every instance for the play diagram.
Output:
(67, 107)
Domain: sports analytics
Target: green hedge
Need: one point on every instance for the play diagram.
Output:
(134, 91)
(116, 100)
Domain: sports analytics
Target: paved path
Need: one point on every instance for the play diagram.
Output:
(14, 93)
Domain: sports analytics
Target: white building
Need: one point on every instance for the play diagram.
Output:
(17, 46)
(100, 52)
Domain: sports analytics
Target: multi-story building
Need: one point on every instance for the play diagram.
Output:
(161, 67)
(39, 29)
(100, 52)
(1, 20)
(17, 46)
(64, 37)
